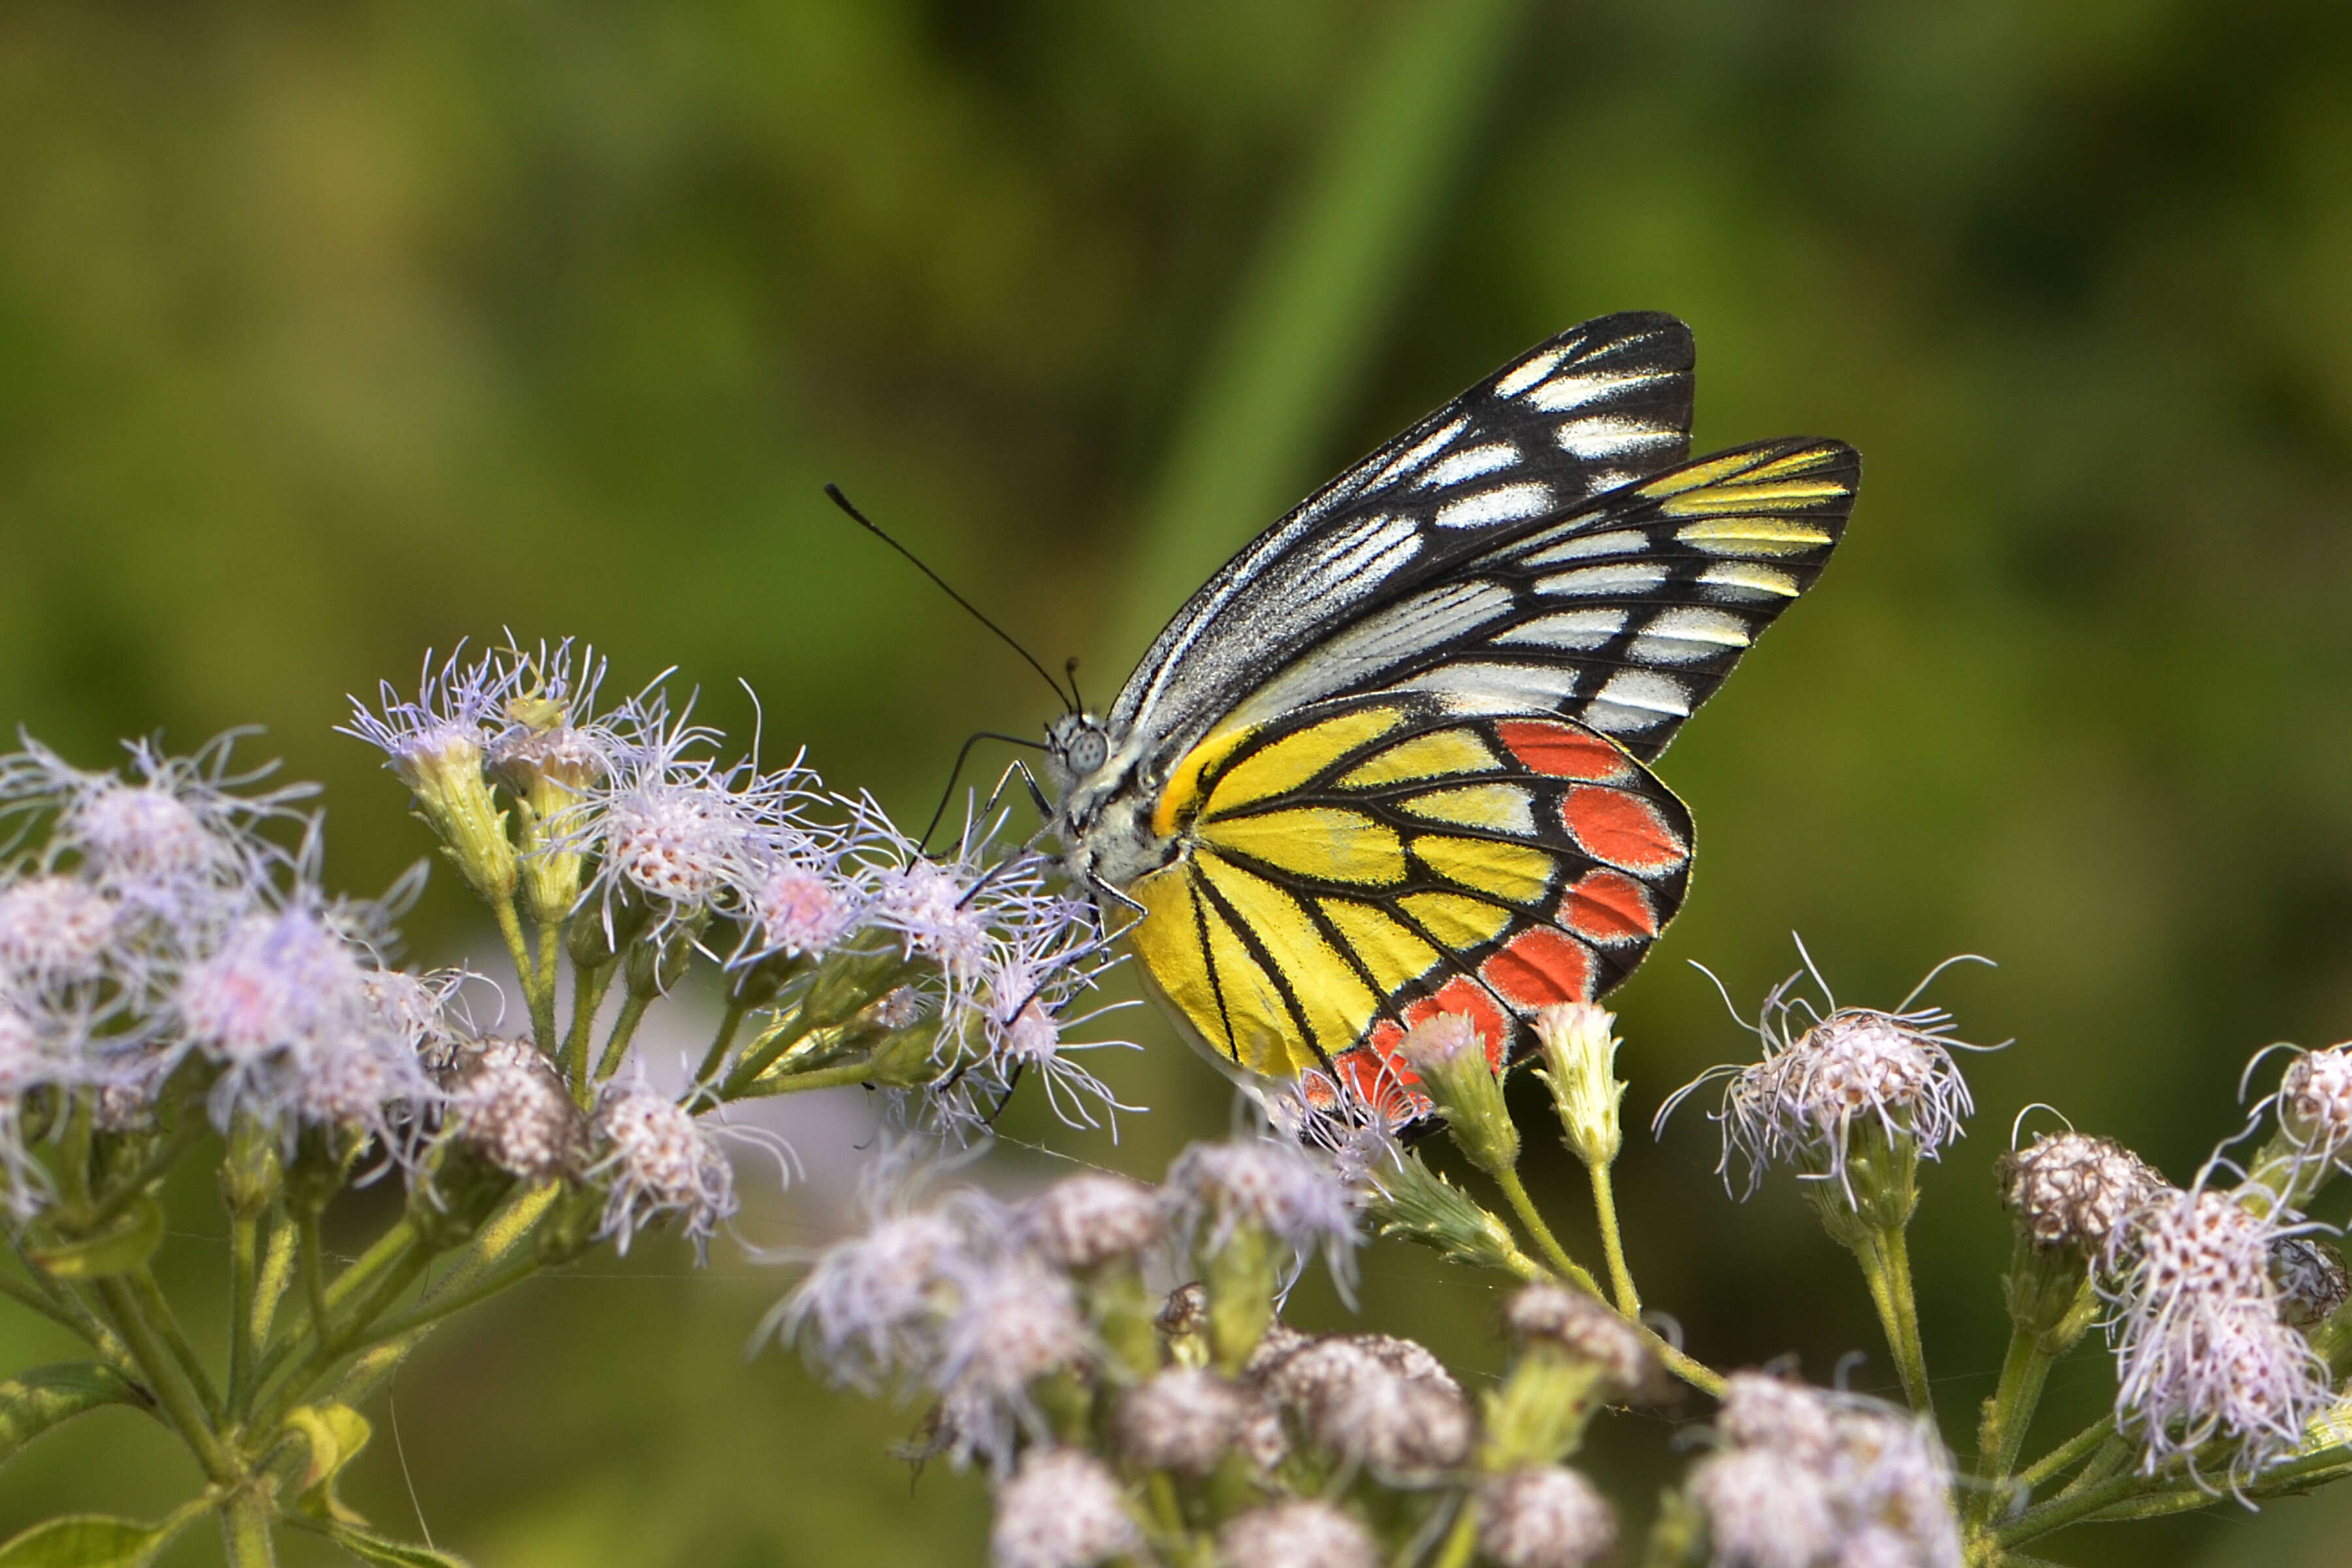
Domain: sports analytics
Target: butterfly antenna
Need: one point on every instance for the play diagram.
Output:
(1070, 672)
(833, 492)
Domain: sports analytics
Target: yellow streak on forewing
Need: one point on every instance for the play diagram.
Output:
(1433, 755)
(1285, 764)
(1454, 920)
(1509, 872)
(1318, 841)
(1389, 950)
(1789, 495)
(1692, 476)
(1166, 939)
(1338, 1004)
(1181, 798)
(1505, 808)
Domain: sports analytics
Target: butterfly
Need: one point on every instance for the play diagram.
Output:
(1392, 759)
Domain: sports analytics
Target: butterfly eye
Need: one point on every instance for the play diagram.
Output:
(1088, 750)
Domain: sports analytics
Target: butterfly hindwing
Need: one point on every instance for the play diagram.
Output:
(1369, 860)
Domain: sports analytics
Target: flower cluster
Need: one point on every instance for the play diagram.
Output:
(840, 938)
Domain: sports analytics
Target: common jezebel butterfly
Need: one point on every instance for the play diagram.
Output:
(1392, 758)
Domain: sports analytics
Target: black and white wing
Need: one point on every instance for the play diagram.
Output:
(1623, 616)
(1599, 405)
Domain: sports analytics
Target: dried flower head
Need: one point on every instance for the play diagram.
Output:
(2315, 1102)
(1387, 1402)
(2068, 1189)
(1084, 1222)
(1063, 1509)
(2201, 1351)
(1182, 1419)
(659, 1160)
(1291, 1194)
(1586, 1329)
(1015, 1323)
(2310, 1277)
(873, 1304)
(1546, 1517)
(1295, 1535)
(508, 1103)
(1806, 1477)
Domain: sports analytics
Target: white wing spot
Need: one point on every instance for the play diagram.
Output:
(1504, 503)
(1528, 372)
(1411, 626)
(1736, 581)
(1570, 630)
(1625, 577)
(1586, 546)
(1688, 633)
(1468, 463)
(1637, 699)
(1610, 435)
(1563, 393)
(1421, 451)
(1497, 687)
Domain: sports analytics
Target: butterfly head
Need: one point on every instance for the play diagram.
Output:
(1100, 817)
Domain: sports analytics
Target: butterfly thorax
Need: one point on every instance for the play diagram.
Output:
(1102, 809)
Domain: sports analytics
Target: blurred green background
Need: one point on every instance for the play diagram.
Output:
(329, 334)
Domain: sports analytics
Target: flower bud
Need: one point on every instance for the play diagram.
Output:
(1063, 1509)
(1410, 1202)
(548, 765)
(1295, 1535)
(2070, 1195)
(1182, 1419)
(1546, 1517)
(1453, 1062)
(1085, 1221)
(509, 1105)
(1580, 1060)
(444, 771)
(1575, 1354)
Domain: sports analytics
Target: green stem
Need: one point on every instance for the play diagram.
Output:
(551, 942)
(840, 1075)
(161, 1372)
(1886, 1259)
(277, 1274)
(588, 987)
(150, 1170)
(633, 1008)
(541, 1002)
(244, 1280)
(2062, 1510)
(1613, 1246)
(1554, 1253)
(2113, 1453)
(313, 1256)
(2007, 1414)
(2069, 1453)
(715, 1059)
(167, 1328)
(245, 1530)
(390, 1251)
(1462, 1540)
(1691, 1370)
(437, 1303)
(44, 1298)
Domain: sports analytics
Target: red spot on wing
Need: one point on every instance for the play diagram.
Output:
(1563, 750)
(1373, 1078)
(1621, 828)
(1608, 907)
(1540, 966)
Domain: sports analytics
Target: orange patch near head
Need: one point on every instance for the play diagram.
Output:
(1621, 828)
(1608, 907)
(1540, 966)
(1563, 750)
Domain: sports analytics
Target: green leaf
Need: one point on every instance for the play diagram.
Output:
(130, 1242)
(332, 1435)
(34, 1401)
(85, 1541)
(370, 1547)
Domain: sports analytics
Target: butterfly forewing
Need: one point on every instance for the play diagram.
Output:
(1625, 615)
(1368, 861)
(1600, 405)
